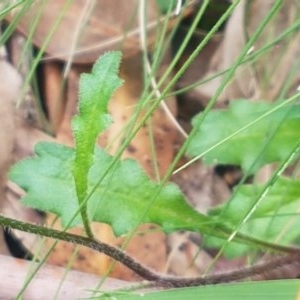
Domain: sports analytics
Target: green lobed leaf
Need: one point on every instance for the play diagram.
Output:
(95, 91)
(276, 218)
(46, 179)
(277, 134)
(122, 195)
(120, 200)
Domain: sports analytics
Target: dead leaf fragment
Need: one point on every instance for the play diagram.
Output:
(10, 85)
(84, 29)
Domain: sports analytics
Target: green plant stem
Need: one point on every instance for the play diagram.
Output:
(43, 48)
(85, 221)
(186, 40)
(158, 279)
(10, 8)
(6, 34)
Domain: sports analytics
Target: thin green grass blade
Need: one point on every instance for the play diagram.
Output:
(275, 290)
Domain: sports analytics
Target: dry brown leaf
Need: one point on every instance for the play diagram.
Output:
(87, 28)
(264, 78)
(122, 108)
(10, 86)
(53, 92)
(185, 257)
(45, 284)
(273, 68)
(201, 186)
(203, 189)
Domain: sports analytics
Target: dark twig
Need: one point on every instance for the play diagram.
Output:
(157, 279)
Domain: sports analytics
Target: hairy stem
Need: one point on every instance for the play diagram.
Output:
(158, 279)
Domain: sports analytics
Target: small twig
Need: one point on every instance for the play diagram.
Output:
(148, 274)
